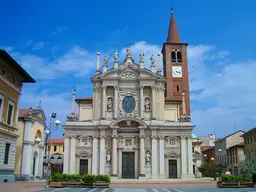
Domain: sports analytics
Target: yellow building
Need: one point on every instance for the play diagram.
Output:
(12, 76)
(30, 145)
(250, 145)
(197, 157)
(55, 156)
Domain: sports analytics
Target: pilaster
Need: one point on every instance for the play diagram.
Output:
(94, 155)
(40, 161)
(141, 102)
(190, 157)
(153, 103)
(114, 156)
(161, 158)
(73, 155)
(116, 102)
(183, 158)
(142, 157)
(154, 157)
(103, 107)
(66, 166)
(102, 153)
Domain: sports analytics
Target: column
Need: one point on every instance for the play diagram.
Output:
(154, 157)
(183, 157)
(161, 157)
(141, 102)
(66, 154)
(142, 157)
(114, 156)
(40, 162)
(94, 155)
(73, 155)
(190, 156)
(103, 107)
(26, 150)
(153, 103)
(116, 102)
(32, 159)
(102, 154)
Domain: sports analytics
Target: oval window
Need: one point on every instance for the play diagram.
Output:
(128, 104)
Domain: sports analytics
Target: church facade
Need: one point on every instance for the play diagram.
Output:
(137, 123)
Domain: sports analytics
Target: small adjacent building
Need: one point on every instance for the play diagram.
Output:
(30, 144)
(196, 151)
(236, 158)
(250, 145)
(221, 147)
(12, 76)
(55, 153)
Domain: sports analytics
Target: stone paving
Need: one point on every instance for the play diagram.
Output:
(151, 190)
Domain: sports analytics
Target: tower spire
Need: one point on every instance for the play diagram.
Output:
(173, 33)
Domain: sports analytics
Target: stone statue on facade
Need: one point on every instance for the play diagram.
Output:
(128, 52)
(141, 57)
(147, 104)
(152, 59)
(108, 157)
(110, 104)
(115, 56)
(148, 158)
(105, 62)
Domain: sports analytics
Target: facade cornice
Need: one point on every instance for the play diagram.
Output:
(9, 133)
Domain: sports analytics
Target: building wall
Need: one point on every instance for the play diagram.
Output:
(19, 147)
(250, 147)
(10, 84)
(236, 159)
(59, 148)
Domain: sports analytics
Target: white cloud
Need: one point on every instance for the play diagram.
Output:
(219, 97)
(38, 45)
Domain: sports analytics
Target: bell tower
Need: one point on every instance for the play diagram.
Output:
(175, 67)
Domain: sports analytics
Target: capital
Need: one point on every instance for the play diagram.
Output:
(142, 136)
(161, 137)
(153, 137)
(104, 86)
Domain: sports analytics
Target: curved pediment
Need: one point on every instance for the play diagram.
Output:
(84, 154)
(172, 154)
(128, 121)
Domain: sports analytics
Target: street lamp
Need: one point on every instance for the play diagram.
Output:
(48, 132)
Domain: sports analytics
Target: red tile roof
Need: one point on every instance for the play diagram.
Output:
(56, 141)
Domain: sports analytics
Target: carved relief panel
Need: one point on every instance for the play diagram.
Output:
(128, 142)
(85, 141)
(172, 142)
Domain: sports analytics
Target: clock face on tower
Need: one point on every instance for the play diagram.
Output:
(176, 71)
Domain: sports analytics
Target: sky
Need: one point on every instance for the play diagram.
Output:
(56, 42)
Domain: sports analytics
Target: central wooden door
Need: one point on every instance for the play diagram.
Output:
(172, 168)
(128, 165)
(83, 166)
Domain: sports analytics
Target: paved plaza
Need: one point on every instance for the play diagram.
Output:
(151, 190)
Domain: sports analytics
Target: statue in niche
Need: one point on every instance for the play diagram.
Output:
(147, 104)
(110, 104)
(108, 157)
(135, 141)
(141, 57)
(105, 63)
(148, 158)
(115, 56)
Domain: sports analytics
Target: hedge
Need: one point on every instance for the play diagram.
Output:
(233, 178)
(61, 177)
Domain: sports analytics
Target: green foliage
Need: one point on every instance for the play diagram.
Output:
(232, 178)
(206, 169)
(59, 177)
(88, 178)
(105, 178)
(249, 168)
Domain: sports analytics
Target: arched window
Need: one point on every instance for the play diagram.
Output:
(178, 88)
(176, 56)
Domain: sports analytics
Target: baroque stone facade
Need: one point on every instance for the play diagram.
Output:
(128, 129)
